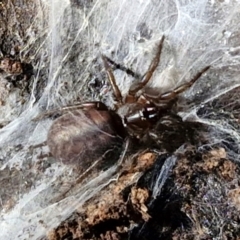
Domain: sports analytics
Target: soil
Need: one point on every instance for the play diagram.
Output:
(199, 199)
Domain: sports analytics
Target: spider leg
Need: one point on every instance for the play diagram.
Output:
(150, 70)
(86, 105)
(125, 69)
(112, 80)
(170, 95)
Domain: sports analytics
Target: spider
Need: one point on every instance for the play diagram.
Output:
(87, 130)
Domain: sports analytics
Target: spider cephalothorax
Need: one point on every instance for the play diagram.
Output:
(88, 129)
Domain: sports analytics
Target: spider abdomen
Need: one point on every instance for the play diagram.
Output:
(82, 136)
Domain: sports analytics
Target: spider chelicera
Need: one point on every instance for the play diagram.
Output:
(86, 130)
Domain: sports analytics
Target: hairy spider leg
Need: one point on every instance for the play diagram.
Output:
(85, 106)
(123, 68)
(112, 80)
(139, 86)
(171, 95)
(147, 77)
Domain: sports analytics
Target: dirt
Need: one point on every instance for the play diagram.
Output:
(199, 198)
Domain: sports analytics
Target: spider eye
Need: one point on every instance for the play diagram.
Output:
(150, 113)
